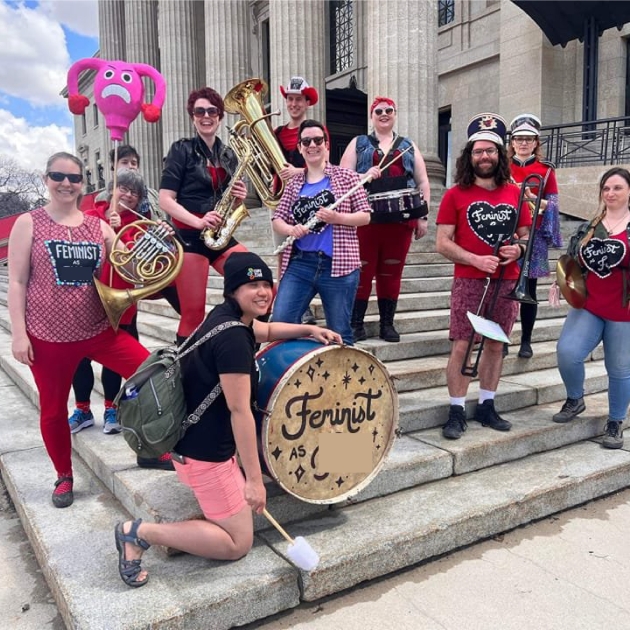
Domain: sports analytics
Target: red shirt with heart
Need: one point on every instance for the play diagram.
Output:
(480, 216)
(605, 260)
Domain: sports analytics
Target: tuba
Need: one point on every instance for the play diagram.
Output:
(254, 131)
(156, 258)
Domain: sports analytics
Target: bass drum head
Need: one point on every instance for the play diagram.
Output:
(330, 420)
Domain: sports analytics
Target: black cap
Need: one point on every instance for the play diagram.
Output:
(243, 267)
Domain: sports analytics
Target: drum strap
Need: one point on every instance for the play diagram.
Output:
(374, 142)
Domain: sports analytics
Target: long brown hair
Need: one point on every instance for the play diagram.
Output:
(611, 172)
(465, 174)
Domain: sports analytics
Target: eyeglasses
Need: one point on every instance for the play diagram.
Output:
(524, 139)
(306, 142)
(387, 110)
(126, 191)
(58, 176)
(200, 112)
(480, 152)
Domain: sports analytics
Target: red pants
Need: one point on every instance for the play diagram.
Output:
(53, 369)
(383, 250)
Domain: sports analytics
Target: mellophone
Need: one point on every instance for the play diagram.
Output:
(327, 418)
(394, 206)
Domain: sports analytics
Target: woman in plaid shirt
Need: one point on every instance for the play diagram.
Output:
(323, 260)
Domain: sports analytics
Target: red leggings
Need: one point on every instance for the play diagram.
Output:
(383, 250)
(191, 286)
(54, 366)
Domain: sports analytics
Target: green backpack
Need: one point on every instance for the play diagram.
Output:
(151, 405)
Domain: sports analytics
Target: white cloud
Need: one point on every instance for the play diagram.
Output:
(80, 16)
(34, 57)
(31, 146)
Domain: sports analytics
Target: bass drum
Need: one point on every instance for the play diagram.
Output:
(327, 418)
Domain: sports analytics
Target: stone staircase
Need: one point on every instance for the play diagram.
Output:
(431, 497)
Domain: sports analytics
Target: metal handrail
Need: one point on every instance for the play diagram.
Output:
(605, 141)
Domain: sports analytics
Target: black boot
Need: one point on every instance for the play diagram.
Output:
(387, 309)
(358, 313)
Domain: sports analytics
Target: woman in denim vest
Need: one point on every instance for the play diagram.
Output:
(385, 242)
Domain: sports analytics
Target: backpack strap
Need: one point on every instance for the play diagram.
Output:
(195, 416)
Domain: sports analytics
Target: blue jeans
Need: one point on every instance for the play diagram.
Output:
(308, 273)
(581, 334)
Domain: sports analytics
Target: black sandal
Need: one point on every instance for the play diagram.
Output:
(130, 569)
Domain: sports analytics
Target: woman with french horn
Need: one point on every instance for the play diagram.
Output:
(197, 174)
(525, 155)
(56, 315)
(118, 211)
(601, 250)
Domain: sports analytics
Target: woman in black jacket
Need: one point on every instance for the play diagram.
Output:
(197, 172)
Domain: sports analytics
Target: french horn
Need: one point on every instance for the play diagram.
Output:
(150, 261)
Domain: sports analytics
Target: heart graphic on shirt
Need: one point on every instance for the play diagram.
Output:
(601, 256)
(489, 223)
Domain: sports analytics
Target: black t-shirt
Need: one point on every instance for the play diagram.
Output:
(230, 352)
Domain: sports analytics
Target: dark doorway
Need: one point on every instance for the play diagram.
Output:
(444, 142)
(346, 117)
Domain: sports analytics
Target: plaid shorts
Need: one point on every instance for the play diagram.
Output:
(466, 294)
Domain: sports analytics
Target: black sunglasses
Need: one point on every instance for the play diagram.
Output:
(58, 176)
(306, 142)
(387, 110)
(200, 112)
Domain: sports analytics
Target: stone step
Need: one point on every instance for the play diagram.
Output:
(355, 543)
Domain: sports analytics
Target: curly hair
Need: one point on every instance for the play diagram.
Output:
(465, 174)
(210, 95)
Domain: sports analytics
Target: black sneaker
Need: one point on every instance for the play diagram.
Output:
(456, 423)
(487, 415)
(571, 408)
(62, 495)
(613, 437)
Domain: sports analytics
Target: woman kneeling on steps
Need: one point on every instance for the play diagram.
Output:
(205, 458)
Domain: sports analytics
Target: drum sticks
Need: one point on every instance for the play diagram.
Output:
(299, 551)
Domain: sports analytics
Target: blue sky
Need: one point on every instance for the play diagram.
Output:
(40, 40)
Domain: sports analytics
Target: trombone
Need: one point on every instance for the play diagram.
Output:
(520, 293)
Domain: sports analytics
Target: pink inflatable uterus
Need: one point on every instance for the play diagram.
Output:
(118, 92)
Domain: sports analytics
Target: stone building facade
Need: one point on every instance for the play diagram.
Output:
(441, 60)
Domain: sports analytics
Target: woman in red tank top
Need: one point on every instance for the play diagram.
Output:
(56, 315)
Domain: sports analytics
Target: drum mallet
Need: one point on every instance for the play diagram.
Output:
(299, 551)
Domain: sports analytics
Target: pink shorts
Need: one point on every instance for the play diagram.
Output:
(218, 486)
(466, 295)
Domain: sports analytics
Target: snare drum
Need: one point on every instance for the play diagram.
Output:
(394, 206)
(328, 416)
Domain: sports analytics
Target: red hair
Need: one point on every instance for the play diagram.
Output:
(210, 95)
(381, 99)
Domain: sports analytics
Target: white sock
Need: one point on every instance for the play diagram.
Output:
(485, 394)
(458, 401)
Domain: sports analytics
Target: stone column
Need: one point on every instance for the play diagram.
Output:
(177, 34)
(298, 48)
(142, 47)
(111, 29)
(227, 46)
(402, 64)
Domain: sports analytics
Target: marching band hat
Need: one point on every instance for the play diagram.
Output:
(297, 85)
(525, 125)
(487, 126)
(243, 267)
